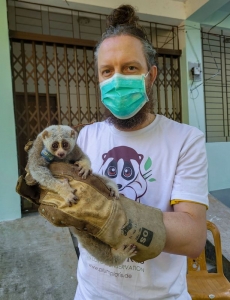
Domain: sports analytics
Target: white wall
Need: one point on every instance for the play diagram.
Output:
(9, 200)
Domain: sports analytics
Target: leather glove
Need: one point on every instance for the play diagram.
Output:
(114, 222)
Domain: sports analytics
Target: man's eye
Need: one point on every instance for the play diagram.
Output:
(132, 68)
(106, 73)
(55, 145)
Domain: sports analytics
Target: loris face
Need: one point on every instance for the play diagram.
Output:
(60, 148)
(59, 140)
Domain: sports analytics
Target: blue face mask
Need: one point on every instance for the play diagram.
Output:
(124, 95)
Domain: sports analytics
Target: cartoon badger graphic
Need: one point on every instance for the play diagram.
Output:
(122, 164)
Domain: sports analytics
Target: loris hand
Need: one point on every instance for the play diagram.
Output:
(67, 193)
(83, 167)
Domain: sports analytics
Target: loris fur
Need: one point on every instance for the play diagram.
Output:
(58, 143)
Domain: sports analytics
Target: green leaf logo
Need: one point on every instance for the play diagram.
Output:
(148, 174)
(148, 164)
(152, 179)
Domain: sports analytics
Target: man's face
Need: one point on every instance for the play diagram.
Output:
(121, 54)
(124, 54)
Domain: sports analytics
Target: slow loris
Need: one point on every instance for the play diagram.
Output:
(58, 143)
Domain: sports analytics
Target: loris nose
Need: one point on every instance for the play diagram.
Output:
(119, 186)
(61, 154)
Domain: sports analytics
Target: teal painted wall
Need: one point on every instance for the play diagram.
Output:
(193, 109)
(219, 165)
(216, 17)
(219, 153)
(9, 201)
(192, 102)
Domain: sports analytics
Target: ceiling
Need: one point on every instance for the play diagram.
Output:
(225, 8)
(172, 12)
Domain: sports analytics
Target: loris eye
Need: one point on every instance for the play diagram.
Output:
(55, 145)
(65, 145)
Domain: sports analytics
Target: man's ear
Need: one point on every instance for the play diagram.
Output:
(153, 74)
(45, 134)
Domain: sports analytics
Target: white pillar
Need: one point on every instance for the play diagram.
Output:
(10, 207)
(193, 109)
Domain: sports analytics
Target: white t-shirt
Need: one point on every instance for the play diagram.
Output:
(162, 162)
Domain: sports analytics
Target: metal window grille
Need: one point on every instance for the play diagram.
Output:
(167, 89)
(65, 22)
(54, 82)
(216, 64)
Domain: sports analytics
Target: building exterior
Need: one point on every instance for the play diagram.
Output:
(50, 44)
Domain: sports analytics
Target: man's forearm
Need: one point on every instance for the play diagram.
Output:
(185, 229)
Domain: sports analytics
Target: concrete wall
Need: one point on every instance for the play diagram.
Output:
(9, 200)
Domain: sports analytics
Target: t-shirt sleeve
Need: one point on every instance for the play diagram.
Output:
(81, 139)
(190, 182)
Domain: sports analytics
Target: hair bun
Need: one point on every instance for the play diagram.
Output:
(123, 15)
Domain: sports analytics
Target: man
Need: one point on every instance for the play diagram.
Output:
(153, 160)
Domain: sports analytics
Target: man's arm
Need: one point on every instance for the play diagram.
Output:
(185, 229)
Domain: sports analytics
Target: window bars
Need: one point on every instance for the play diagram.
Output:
(65, 22)
(53, 70)
(216, 65)
(55, 84)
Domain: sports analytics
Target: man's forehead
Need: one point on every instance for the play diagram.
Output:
(127, 47)
(121, 40)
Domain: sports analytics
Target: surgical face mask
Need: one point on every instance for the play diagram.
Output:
(124, 95)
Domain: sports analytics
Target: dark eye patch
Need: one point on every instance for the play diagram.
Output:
(55, 145)
(65, 145)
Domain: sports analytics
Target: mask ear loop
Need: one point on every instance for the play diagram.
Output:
(145, 85)
(147, 74)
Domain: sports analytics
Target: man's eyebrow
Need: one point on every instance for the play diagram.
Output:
(132, 62)
(104, 66)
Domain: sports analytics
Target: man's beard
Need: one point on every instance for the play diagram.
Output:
(137, 119)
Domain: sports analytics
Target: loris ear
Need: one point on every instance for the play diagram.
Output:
(45, 134)
(73, 134)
